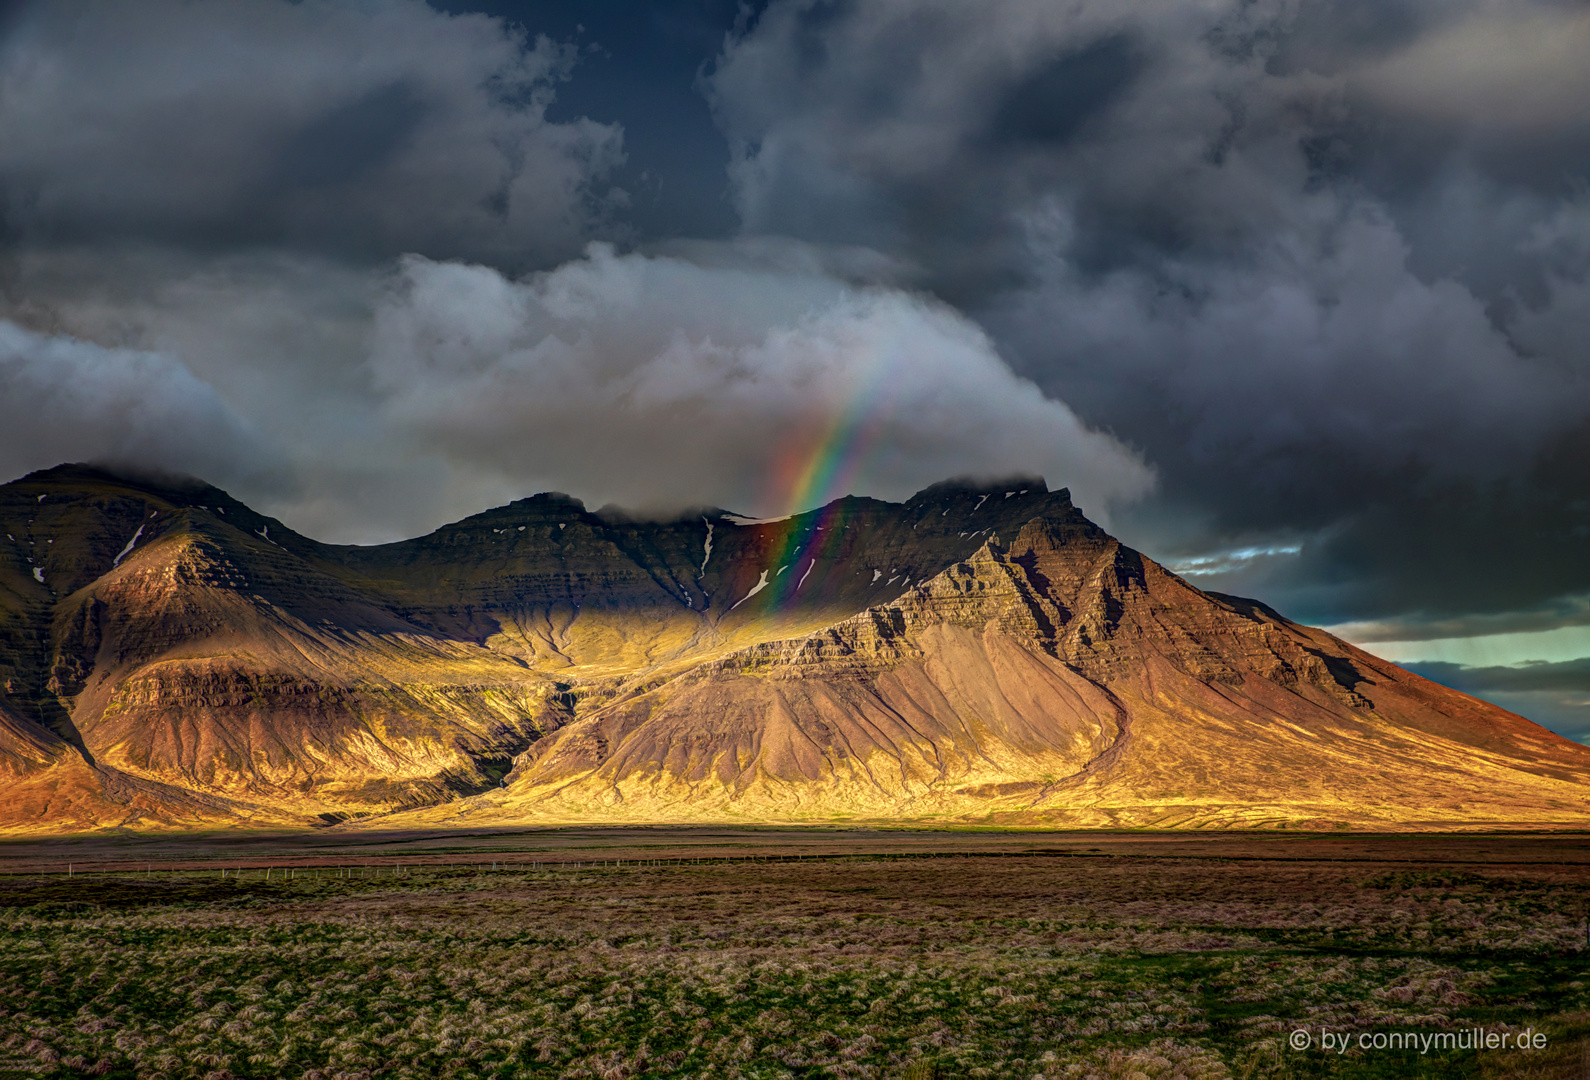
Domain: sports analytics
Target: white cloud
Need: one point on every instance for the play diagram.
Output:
(404, 398)
(67, 400)
(653, 380)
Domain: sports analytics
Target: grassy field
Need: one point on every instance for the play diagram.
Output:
(1119, 957)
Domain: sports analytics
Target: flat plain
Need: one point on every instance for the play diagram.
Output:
(633, 952)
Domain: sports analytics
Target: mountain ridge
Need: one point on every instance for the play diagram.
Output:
(170, 658)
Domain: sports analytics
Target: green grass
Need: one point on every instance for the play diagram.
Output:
(920, 968)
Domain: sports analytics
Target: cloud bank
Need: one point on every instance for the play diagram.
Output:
(657, 381)
(393, 399)
(67, 400)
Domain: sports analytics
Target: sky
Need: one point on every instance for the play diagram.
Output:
(1294, 295)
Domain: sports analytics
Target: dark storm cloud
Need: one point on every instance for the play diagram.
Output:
(1051, 104)
(1324, 262)
(1568, 675)
(1556, 696)
(1175, 129)
(351, 141)
(1558, 613)
(366, 130)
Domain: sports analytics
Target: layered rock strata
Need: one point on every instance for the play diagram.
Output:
(172, 659)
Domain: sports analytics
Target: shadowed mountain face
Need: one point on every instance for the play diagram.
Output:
(171, 659)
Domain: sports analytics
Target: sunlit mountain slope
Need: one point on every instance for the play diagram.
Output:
(980, 653)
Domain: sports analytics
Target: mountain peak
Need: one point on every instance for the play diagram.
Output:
(549, 500)
(184, 661)
(971, 485)
(174, 487)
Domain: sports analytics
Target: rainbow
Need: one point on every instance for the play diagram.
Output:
(815, 468)
(811, 475)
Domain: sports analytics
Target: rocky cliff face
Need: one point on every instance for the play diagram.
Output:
(170, 658)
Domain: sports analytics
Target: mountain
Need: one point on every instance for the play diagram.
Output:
(171, 659)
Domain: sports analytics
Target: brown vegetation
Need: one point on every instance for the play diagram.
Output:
(1085, 964)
